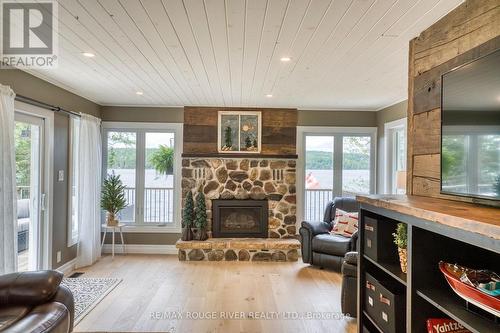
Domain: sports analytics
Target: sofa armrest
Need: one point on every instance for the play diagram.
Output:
(350, 265)
(354, 241)
(64, 296)
(316, 227)
(29, 288)
(351, 258)
(307, 233)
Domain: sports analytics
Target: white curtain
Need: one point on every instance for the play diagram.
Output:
(8, 202)
(89, 191)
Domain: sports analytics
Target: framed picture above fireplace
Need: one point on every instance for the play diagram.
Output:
(239, 131)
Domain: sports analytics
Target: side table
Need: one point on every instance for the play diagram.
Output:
(113, 229)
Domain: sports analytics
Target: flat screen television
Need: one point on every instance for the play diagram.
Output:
(470, 129)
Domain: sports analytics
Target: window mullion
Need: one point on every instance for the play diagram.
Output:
(139, 176)
(337, 165)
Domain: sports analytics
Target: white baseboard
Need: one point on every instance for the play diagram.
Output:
(142, 249)
(67, 268)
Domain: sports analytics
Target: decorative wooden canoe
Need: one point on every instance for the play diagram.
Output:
(457, 277)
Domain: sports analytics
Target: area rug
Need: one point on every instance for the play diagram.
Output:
(88, 292)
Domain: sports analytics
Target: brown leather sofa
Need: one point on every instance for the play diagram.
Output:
(35, 302)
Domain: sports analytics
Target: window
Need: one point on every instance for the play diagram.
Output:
(395, 148)
(470, 158)
(146, 157)
(74, 128)
(335, 162)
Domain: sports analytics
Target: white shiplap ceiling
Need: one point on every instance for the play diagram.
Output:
(345, 54)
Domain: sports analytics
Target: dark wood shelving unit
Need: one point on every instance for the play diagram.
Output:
(394, 270)
(437, 230)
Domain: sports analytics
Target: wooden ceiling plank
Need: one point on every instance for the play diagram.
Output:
(183, 30)
(125, 51)
(198, 22)
(217, 26)
(297, 20)
(255, 15)
(129, 36)
(136, 21)
(76, 34)
(272, 25)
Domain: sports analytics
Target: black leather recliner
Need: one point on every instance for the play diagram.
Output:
(349, 291)
(321, 248)
(35, 302)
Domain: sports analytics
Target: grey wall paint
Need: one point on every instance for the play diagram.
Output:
(60, 190)
(30, 86)
(391, 113)
(337, 118)
(142, 114)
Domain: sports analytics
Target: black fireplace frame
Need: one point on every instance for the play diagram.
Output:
(234, 203)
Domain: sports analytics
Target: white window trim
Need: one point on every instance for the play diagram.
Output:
(303, 131)
(72, 238)
(177, 129)
(389, 128)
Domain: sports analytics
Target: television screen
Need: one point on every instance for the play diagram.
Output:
(470, 141)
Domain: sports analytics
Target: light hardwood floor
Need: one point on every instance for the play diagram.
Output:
(154, 285)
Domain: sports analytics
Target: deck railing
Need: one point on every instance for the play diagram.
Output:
(315, 203)
(23, 192)
(158, 205)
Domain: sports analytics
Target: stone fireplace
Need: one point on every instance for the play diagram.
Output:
(239, 218)
(250, 196)
(242, 181)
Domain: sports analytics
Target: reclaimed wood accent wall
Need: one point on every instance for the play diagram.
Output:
(468, 32)
(279, 131)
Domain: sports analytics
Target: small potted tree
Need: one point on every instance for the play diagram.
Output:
(113, 198)
(188, 218)
(401, 240)
(200, 219)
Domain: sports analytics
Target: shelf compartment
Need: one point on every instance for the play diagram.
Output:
(453, 306)
(393, 270)
(373, 327)
(422, 310)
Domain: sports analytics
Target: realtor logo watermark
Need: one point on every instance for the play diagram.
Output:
(29, 34)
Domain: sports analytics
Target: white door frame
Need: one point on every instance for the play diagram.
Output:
(46, 178)
(387, 175)
(303, 131)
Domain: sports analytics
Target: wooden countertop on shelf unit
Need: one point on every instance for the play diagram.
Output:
(473, 218)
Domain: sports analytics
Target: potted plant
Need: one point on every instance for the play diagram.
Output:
(163, 160)
(200, 219)
(401, 240)
(113, 198)
(188, 218)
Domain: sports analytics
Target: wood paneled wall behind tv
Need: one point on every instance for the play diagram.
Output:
(467, 33)
(279, 132)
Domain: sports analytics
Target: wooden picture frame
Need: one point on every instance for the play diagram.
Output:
(239, 132)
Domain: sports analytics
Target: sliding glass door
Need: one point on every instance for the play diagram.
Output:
(145, 160)
(29, 170)
(337, 163)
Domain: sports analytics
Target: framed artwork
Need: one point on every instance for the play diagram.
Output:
(239, 132)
